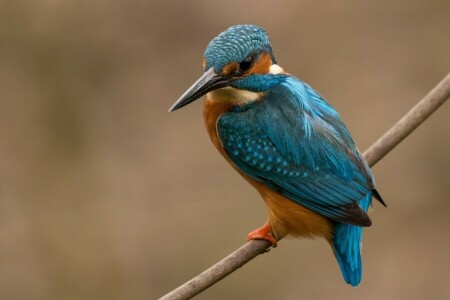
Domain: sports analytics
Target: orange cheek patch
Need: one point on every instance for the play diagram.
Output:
(230, 68)
(262, 66)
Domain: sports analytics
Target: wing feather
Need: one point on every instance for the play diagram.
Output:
(303, 152)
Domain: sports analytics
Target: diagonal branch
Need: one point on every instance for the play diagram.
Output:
(419, 113)
(435, 98)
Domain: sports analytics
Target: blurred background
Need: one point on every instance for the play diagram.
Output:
(104, 195)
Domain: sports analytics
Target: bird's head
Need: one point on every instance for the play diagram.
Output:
(239, 58)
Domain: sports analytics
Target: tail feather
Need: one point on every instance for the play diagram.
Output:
(346, 245)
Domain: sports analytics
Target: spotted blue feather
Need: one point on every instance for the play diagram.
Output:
(300, 149)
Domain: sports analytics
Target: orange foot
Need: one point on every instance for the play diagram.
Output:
(263, 233)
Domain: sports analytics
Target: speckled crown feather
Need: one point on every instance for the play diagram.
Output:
(235, 44)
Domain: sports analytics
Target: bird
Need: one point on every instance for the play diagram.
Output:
(288, 142)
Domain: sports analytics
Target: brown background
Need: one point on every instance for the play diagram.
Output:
(104, 195)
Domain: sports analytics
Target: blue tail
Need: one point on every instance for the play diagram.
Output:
(347, 245)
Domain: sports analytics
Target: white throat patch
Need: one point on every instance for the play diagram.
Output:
(234, 95)
(276, 69)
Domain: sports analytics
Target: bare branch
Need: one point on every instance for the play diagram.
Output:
(436, 97)
(419, 113)
(220, 270)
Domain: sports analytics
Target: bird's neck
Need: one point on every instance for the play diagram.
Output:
(261, 82)
(227, 96)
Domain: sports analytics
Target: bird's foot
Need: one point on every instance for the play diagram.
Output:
(263, 233)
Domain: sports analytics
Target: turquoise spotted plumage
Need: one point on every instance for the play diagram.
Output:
(284, 137)
(317, 166)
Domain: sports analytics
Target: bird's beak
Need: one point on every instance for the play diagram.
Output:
(208, 82)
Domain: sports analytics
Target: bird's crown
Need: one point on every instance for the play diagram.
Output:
(235, 45)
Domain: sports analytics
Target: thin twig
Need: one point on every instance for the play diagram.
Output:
(419, 113)
(436, 97)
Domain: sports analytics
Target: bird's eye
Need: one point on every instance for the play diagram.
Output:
(246, 64)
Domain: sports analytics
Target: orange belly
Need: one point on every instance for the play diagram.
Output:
(285, 216)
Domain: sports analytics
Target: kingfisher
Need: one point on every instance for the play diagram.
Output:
(288, 142)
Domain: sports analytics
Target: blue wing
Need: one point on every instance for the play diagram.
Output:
(295, 143)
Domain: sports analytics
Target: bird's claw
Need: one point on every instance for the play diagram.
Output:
(263, 233)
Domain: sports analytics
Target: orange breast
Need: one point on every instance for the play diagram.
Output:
(285, 216)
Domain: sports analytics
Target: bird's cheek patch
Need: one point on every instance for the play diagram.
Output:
(230, 69)
(262, 65)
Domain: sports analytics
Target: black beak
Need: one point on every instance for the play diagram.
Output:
(208, 82)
